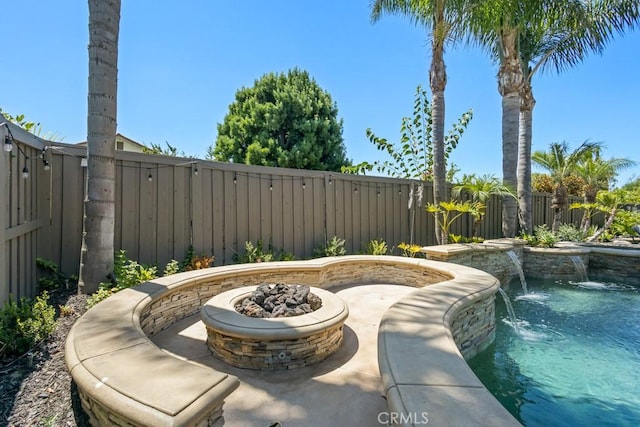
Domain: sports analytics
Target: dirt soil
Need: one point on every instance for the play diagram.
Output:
(42, 394)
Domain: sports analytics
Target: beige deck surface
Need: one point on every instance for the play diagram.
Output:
(343, 390)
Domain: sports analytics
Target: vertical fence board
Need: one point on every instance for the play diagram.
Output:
(203, 226)
(348, 212)
(341, 188)
(195, 206)
(117, 233)
(148, 206)
(275, 201)
(297, 214)
(308, 216)
(72, 213)
(230, 241)
(329, 210)
(163, 176)
(264, 210)
(182, 211)
(130, 210)
(253, 209)
(5, 259)
(287, 214)
(242, 214)
(217, 212)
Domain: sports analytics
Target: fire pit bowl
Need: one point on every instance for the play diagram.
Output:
(273, 343)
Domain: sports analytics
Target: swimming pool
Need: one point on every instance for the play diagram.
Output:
(572, 358)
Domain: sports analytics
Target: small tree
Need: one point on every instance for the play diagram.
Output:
(284, 120)
(412, 157)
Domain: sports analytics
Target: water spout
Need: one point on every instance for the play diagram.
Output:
(510, 311)
(516, 263)
(580, 268)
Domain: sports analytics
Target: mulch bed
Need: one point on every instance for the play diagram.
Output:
(42, 394)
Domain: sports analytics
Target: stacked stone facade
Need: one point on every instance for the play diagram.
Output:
(270, 355)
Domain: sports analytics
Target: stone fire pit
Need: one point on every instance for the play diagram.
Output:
(279, 300)
(271, 343)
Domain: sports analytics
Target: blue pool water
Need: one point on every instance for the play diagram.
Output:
(573, 357)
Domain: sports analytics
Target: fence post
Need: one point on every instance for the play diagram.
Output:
(4, 218)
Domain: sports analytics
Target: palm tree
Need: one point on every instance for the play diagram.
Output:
(96, 263)
(560, 163)
(443, 18)
(497, 25)
(597, 174)
(481, 188)
(562, 39)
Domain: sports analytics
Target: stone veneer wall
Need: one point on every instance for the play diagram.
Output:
(554, 263)
(101, 415)
(275, 355)
(619, 265)
(601, 263)
(474, 327)
(490, 256)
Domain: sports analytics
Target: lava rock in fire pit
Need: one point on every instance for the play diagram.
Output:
(279, 300)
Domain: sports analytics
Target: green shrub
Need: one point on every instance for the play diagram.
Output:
(257, 253)
(623, 223)
(254, 253)
(188, 257)
(25, 323)
(570, 233)
(376, 247)
(172, 267)
(545, 237)
(103, 292)
(51, 277)
(127, 273)
(334, 247)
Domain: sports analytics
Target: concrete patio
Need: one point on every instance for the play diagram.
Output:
(345, 389)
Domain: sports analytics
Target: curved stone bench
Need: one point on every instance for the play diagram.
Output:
(124, 379)
(421, 343)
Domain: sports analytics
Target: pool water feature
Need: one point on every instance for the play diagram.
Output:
(580, 268)
(574, 358)
(518, 265)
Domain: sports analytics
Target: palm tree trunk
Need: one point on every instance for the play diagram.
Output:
(558, 202)
(96, 258)
(438, 82)
(527, 102)
(590, 193)
(509, 85)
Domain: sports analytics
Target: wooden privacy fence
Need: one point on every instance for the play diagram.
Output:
(24, 210)
(165, 204)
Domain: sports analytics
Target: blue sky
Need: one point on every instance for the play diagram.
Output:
(181, 63)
